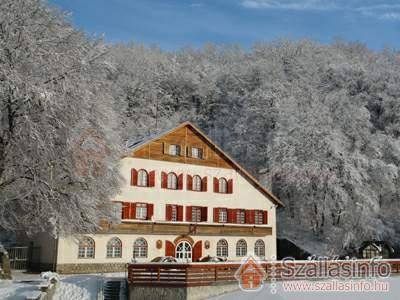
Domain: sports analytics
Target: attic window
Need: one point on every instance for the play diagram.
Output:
(174, 150)
(197, 152)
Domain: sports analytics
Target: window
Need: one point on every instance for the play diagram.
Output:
(196, 214)
(223, 186)
(240, 216)
(241, 248)
(140, 248)
(142, 178)
(259, 248)
(197, 152)
(196, 184)
(172, 181)
(86, 248)
(370, 252)
(114, 248)
(141, 211)
(222, 215)
(222, 248)
(174, 213)
(258, 217)
(174, 150)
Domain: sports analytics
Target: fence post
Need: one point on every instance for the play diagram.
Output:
(215, 273)
(158, 274)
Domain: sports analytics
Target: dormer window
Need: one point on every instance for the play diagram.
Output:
(197, 152)
(174, 150)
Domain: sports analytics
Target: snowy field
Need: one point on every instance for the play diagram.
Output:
(265, 293)
(71, 287)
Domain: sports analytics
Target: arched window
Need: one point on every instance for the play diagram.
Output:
(142, 178)
(172, 181)
(140, 248)
(86, 248)
(222, 248)
(114, 248)
(241, 248)
(223, 186)
(259, 248)
(196, 183)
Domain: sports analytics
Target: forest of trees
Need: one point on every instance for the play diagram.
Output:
(318, 124)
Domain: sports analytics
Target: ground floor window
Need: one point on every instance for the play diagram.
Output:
(241, 248)
(114, 248)
(259, 248)
(86, 248)
(140, 248)
(184, 251)
(222, 248)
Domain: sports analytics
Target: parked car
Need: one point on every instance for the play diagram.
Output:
(164, 259)
(213, 259)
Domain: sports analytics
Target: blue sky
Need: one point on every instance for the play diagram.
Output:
(172, 24)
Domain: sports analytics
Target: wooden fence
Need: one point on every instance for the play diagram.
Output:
(203, 274)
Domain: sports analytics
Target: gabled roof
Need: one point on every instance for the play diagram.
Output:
(135, 145)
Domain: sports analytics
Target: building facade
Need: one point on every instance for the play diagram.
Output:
(182, 197)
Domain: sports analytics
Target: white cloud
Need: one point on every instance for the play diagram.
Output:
(290, 4)
(383, 11)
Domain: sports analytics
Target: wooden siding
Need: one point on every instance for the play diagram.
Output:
(189, 229)
(186, 137)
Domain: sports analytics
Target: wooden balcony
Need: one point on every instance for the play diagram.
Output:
(188, 229)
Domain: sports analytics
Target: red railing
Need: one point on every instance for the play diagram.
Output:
(203, 274)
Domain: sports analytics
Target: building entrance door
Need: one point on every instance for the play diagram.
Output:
(184, 252)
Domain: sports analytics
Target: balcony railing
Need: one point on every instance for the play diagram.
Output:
(203, 274)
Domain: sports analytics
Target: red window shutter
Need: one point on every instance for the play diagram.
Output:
(134, 177)
(230, 186)
(179, 209)
(125, 210)
(152, 178)
(216, 185)
(231, 215)
(204, 184)
(150, 211)
(168, 212)
(216, 214)
(197, 251)
(180, 182)
(265, 218)
(169, 249)
(132, 211)
(249, 216)
(188, 213)
(204, 214)
(164, 178)
(189, 182)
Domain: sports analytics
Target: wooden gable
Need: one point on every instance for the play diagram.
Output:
(187, 138)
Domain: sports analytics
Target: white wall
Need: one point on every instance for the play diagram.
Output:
(244, 196)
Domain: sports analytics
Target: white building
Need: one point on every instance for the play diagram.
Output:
(182, 197)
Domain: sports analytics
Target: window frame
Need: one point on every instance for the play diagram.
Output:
(258, 217)
(199, 154)
(196, 186)
(220, 185)
(112, 250)
(241, 248)
(196, 214)
(142, 171)
(222, 248)
(225, 219)
(140, 207)
(177, 149)
(140, 250)
(259, 245)
(169, 184)
(240, 216)
(85, 248)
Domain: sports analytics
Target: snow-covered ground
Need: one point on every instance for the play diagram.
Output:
(265, 293)
(71, 287)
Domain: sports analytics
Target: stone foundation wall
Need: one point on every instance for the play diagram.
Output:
(180, 293)
(90, 268)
